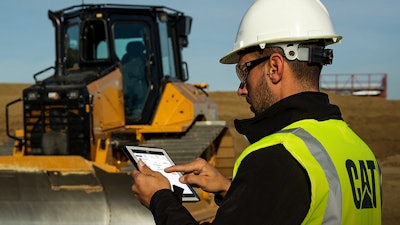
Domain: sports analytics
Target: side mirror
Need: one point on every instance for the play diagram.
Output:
(184, 25)
(185, 71)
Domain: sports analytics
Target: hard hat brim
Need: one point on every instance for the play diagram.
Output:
(230, 58)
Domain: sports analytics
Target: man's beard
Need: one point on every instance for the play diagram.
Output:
(262, 98)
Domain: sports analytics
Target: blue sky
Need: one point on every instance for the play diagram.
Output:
(371, 31)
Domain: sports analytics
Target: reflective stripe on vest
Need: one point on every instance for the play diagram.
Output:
(328, 176)
(333, 210)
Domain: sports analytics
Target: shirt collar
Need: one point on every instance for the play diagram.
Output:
(305, 105)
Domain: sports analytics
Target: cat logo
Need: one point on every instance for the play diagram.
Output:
(362, 179)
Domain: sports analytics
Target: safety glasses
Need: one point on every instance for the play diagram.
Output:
(243, 70)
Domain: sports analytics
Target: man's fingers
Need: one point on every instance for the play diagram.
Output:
(135, 173)
(143, 168)
(184, 168)
(193, 180)
(192, 167)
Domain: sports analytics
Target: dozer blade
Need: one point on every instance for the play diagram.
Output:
(65, 190)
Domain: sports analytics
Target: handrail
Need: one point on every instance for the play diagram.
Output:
(40, 72)
(7, 122)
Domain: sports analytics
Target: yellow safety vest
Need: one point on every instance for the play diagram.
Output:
(346, 182)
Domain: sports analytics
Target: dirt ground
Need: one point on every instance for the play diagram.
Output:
(375, 119)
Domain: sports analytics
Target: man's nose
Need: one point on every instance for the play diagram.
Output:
(242, 90)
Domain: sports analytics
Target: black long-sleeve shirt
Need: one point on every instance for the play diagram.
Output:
(270, 187)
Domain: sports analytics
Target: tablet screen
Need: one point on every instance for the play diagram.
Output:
(157, 160)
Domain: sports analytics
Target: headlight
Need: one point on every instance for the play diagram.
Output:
(53, 95)
(73, 94)
(33, 96)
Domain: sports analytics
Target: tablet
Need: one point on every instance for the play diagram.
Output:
(157, 159)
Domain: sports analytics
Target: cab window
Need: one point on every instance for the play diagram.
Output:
(94, 41)
(72, 46)
(131, 43)
(168, 59)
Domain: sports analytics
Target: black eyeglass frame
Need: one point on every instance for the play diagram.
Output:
(243, 70)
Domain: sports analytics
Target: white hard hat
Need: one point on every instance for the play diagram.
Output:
(282, 21)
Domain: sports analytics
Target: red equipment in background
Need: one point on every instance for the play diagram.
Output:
(363, 84)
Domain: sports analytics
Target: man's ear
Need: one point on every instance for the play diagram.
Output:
(276, 67)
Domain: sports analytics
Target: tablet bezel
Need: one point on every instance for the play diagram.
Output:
(130, 151)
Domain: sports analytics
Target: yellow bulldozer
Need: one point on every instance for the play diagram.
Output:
(118, 79)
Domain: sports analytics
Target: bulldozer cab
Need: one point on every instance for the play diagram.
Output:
(112, 65)
(144, 42)
(119, 79)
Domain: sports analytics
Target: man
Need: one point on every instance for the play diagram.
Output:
(304, 164)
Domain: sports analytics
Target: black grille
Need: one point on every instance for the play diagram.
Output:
(56, 124)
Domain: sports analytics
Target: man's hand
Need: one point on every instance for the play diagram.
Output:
(147, 182)
(201, 174)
